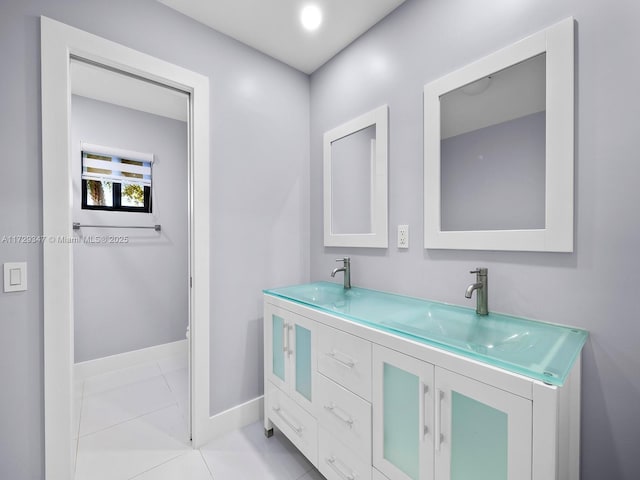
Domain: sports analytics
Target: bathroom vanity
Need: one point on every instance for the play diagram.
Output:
(372, 385)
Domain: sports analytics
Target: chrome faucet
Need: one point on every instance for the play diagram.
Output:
(346, 268)
(482, 305)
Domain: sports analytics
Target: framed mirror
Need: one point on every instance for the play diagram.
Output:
(498, 149)
(355, 182)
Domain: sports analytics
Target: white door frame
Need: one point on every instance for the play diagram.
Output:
(58, 43)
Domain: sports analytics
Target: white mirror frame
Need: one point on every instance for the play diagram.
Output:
(378, 238)
(58, 43)
(557, 42)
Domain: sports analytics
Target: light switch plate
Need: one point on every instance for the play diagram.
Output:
(15, 276)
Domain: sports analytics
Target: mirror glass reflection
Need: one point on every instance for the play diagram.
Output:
(492, 151)
(352, 159)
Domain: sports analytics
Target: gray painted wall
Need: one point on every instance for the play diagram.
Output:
(131, 295)
(493, 178)
(593, 288)
(259, 188)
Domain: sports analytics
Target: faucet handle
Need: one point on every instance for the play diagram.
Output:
(480, 271)
(345, 259)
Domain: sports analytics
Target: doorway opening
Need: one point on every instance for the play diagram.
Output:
(130, 191)
(66, 237)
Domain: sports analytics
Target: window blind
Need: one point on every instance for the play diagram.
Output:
(116, 165)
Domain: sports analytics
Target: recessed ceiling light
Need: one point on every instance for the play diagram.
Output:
(311, 17)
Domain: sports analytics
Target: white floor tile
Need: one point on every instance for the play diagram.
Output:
(133, 447)
(111, 407)
(179, 385)
(120, 378)
(247, 453)
(76, 409)
(174, 362)
(189, 466)
(312, 475)
(78, 388)
(133, 425)
(178, 382)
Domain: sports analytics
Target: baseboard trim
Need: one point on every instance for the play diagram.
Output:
(99, 366)
(233, 419)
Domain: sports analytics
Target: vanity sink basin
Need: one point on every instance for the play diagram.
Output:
(466, 329)
(322, 294)
(536, 349)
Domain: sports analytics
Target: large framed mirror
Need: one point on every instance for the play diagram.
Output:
(498, 149)
(355, 182)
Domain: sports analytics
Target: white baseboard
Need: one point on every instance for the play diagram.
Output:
(233, 419)
(99, 366)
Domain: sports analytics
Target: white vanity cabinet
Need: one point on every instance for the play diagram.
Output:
(403, 415)
(363, 403)
(344, 405)
(289, 352)
(430, 423)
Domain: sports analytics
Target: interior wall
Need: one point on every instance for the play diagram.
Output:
(592, 288)
(259, 131)
(502, 164)
(131, 291)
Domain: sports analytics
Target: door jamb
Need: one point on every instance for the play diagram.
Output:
(58, 43)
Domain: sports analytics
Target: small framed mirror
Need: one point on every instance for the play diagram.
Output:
(498, 149)
(355, 182)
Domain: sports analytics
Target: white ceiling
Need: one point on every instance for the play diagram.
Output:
(273, 26)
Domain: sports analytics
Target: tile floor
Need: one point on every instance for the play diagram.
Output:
(131, 424)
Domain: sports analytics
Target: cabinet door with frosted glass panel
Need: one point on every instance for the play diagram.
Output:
(485, 432)
(403, 415)
(290, 348)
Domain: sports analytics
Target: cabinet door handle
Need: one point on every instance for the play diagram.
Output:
(424, 390)
(289, 330)
(286, 341)
(288, 421)
(339, 414)
(438, 415)
(285, 338)
(331, 461)
(333, 354)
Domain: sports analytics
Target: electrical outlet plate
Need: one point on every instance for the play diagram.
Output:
(403, 236)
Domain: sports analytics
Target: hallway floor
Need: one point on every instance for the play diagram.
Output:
(131, 424)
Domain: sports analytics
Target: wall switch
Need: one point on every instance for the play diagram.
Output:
(403, 236)
(15, 277)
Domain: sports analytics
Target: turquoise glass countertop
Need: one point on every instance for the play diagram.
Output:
(538, 350)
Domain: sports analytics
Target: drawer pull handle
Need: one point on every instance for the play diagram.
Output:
(331, 461)
(349, 363)
(286, 420)
(339, 414)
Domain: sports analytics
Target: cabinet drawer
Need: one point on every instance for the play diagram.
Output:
(337, 462)
(346, 359)
(345, 415)
(292, 420)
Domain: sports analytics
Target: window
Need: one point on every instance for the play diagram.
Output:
(115, 180)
